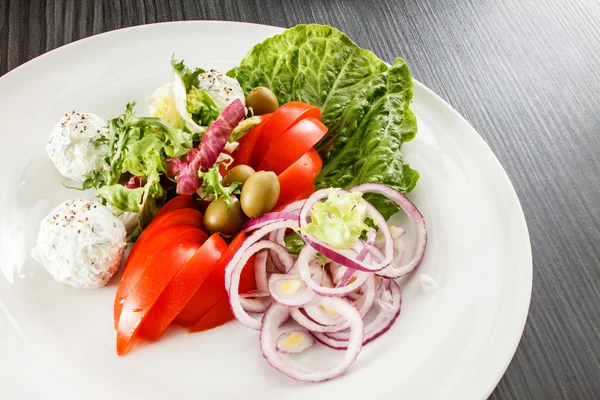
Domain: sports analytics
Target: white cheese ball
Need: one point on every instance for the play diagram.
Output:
(221, 88)
(80, 243)
(72, 147)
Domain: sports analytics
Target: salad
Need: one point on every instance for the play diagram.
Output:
(261, 194)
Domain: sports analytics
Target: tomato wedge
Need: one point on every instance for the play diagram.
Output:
(143, 295)
(243, 154)
(216, 316)
(141, 255)
(183, 286)
(292, 144)
(299, 178)
(213, 287)
(178, 202)
(183, 216)
(281, 120)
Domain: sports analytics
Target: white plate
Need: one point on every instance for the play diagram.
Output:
(58, 342)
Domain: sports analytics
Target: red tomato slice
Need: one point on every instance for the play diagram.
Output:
(213, 287)
(298, 178)
(281, 120)
(290, 146)
(183, 286)
(178, 202)
(243, 154)
(153, 281)
(141, 254)
(216, 316)
(183, 216)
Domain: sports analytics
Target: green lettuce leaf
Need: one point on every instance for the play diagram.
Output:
(189, 77)
(201, 107)
(213, 188)
(364, 102)
(138, 147)
(338, 221)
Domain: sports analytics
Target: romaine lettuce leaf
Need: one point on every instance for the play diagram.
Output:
(364, 102)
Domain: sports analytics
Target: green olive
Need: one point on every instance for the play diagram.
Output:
(262, 100)
(218, 219)
(239, 173)
(260, 194)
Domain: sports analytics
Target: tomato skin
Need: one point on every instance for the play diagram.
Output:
(213, 287)
(218, 315)
(177, 203)
(183, 216)
(183, 286)
(146, 291)
(299, 178)
(284, 118)
(293, 144)
(243, 154)
(141, 255)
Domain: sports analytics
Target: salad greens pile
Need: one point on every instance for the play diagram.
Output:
(364, 102)
(137, 147)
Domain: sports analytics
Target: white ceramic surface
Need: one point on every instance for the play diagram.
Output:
(58, 343)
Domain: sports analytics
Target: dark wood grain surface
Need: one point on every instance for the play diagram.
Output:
(525, 73)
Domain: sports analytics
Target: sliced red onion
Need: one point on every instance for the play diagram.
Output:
(362, 254)
(277, 314)
(306, 322)
(278, 236)
(255, 304)
(274, 264)
(289, 290)
(294, 207)
(415, 216)
(346, 257)
(254, 294)
(294, 342)
(260, 272)
(236, 270)
(266, 219)
(306, 255)
(286, 258)
(389, 306)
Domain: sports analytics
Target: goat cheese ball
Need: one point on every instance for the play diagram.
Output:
(72, 147)
(81, 243)
(221, 88)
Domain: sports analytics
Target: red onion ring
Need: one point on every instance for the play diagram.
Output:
(300, 297)
(306, 255)
(277, 314)
(253, 238)
(415, 216)
(234, 296)
(266, 219)
(380, 325)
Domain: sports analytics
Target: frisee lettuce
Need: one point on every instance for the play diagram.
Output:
(338, 221)
(213, 189)
(137, 146)
(364, 102)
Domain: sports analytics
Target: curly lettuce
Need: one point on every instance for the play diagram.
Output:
(137, 147)
(364, 102)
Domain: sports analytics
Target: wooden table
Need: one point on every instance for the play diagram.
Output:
(526, 74)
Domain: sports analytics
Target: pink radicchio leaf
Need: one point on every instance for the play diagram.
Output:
(134, 183)
(212, 143)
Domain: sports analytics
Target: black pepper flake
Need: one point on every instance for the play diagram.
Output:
(78, 231)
